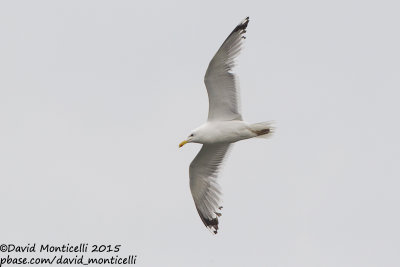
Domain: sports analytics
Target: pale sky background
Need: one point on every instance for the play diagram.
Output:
(95, 97)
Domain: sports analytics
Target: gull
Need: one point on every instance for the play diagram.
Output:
(224, 126)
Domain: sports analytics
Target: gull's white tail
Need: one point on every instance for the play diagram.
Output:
(262, 129)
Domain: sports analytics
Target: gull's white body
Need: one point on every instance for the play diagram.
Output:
(214, 132)
(224, 127)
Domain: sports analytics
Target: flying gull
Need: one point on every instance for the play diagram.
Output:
(223, 127)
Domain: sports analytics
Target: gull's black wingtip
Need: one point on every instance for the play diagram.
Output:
(243, 25)
(212, 224)
(241, 28)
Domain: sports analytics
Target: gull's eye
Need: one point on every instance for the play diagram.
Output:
(191, 135)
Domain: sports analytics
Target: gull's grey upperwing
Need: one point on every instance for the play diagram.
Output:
(203, 172)
(222, 85)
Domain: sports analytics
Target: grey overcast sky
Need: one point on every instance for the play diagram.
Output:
(95, 97)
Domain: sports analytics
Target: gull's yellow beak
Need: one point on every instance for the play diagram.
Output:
(183, 143)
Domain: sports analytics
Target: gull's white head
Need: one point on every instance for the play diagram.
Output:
(192, 138)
